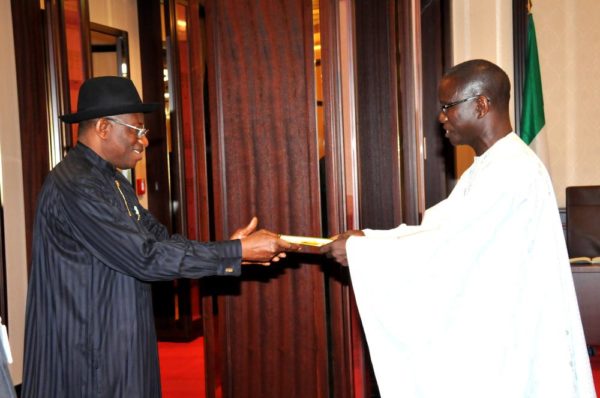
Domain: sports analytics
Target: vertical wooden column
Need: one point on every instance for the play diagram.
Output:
(51, 53)
(157, 153)
(520, 17)
(30, 41)
(436, 54)
(76, 21)
(408, 69)
(349, 363)
(177, 177)
(378, 110)
(266, 332)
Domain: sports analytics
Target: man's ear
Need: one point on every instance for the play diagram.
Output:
(483, 106)
(102, 127)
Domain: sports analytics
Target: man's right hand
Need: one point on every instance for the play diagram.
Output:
(337, 248)
(263, 247)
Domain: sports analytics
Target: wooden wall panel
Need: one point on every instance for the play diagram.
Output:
(183, 103)
(78, 54)
(407, 64)
(158, 189)
(30, 58)
(439, 159)
(176, 166)
(520, 17)
(271, 338)
(345, 374)
(378, 117)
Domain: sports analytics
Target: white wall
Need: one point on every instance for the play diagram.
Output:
(568, 36)
(11, 183)
(568, 43)
(481, 29)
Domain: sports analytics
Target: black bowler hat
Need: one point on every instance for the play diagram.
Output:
(107, 96)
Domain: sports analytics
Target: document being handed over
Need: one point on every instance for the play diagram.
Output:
(306, 240)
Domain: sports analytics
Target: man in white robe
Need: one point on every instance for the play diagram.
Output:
(478, 300)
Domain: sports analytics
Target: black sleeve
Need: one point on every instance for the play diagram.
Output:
(143, 250)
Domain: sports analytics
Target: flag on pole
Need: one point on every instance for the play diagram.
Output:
(532, 113)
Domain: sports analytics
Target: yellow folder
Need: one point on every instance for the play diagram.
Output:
(306, 240)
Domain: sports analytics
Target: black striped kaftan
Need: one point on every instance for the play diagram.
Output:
(89, 323)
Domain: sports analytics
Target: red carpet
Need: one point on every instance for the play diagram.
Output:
(182, 369)
(595, 361)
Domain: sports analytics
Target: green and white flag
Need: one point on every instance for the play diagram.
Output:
(532, 113)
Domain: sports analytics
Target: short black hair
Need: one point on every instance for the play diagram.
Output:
(482, 77)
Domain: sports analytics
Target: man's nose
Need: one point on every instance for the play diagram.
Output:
(442, 117)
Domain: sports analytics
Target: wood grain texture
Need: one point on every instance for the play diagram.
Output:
(158, 188)
(272, 326)
(30, 39)
(378, 115)
(439, 160)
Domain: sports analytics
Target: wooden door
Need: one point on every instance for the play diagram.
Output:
(292, 329)
(266, 332)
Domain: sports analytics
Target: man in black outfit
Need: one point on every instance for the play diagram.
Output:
(89, 324)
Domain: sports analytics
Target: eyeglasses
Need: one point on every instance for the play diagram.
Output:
(444, 108)
(140, 131)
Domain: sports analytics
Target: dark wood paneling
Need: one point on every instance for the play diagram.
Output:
(176, 120)
(57, 76)
(377, 109)
(201, 123)
(333, 115)
(346, 374)
(520, 11)
(380, 201)
(30, 59)
(439, 163)
(408, 68)
(586, 279)
(176, 303)
(157, 153)
(75, 39)
(158, 189)
(272, 325)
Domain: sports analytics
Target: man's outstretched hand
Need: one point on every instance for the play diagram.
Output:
(245, 231)
(337, 248)
(261, 247)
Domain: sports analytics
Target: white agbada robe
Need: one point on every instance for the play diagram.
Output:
(478, 300)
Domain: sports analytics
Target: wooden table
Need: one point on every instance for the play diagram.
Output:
(587, 287)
